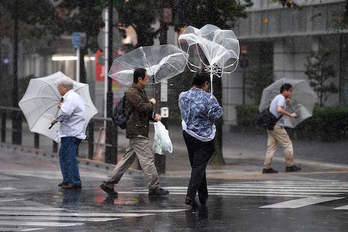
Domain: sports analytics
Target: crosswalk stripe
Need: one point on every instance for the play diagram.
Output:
(158, 210)
(40, 223)
(344, 207)
(69, 214)
(55, 218)
(30, 208)
(12, 199)
(15, 229)
(298, 203)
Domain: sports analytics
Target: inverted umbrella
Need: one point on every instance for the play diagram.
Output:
(302, 101)
(211, 49)
(161, 63)
(40, 101)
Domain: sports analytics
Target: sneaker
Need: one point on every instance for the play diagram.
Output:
(107, 189)
(292, 168)
(158, 192)
(269, 171)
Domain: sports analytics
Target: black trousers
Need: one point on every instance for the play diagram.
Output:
(199, 154)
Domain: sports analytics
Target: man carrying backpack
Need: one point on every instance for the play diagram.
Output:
(138, 109)
(278, 134)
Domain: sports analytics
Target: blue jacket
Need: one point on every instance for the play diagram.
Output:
(199, 110)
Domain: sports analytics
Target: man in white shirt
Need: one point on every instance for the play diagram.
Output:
(278, 134)
(72, 118)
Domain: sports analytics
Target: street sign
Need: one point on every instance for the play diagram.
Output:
(76, 39)
(164, 112)
(164, 91)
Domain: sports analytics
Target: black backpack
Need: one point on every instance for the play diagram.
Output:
(266, 119)
(119, 117)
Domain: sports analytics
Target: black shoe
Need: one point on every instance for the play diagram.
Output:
(158, 192)
(62, 183)
(269, 171)
(292, 168)
(108, 190)
(71, 186)
(192, 202)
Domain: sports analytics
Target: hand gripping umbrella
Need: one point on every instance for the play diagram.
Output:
(211, 49)
(302, 101)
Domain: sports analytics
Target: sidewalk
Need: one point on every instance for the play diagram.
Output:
(243, 154)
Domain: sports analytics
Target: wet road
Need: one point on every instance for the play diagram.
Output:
(31, 201)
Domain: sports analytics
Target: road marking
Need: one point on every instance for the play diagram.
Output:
(55, 218)
(157, 210)
(12, 199)
(46, 224)
(31, 208)
(14, 229)
(70, 214)
(294, 204)
(345, 207)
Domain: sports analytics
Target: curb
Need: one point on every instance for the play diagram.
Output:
(50, 155)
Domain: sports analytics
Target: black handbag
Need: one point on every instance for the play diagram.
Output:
(267, 120)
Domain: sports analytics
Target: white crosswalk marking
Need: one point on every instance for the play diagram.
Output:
(61, 219)
(293, 204)
(298, 189)
(344, 207)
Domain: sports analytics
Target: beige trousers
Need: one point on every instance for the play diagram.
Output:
(139, 148)
(275, 136)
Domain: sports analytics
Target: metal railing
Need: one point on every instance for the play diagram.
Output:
(16, 116)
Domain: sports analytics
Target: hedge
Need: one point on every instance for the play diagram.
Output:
(327, 123)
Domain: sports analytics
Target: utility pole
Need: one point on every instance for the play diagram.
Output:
(16, 116)
(111, 131)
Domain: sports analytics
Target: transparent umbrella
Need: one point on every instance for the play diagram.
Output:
(211, 49)
(40, 101)
(161, 63)
(302, 102)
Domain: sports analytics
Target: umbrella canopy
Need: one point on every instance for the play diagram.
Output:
(40, 103)
(210, 48)
(161, 63)
(302, 101)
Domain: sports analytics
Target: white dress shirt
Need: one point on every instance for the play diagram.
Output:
(72, 116)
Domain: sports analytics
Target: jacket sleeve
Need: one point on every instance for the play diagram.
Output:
(215, 110)
(136, 102)
(65, 111)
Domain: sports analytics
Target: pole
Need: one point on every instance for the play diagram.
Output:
(106, 63)
(111, 131)
(16, 116)
(78, 64)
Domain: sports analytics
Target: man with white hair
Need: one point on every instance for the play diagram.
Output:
(72, 118)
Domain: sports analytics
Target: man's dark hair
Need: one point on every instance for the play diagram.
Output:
(139, 72)
(200, 78)
(285, 87)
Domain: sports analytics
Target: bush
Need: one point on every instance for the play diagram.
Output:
(327, 123)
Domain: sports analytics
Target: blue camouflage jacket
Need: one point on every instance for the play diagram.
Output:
(199, 110)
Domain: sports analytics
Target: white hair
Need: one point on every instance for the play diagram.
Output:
(66, 83)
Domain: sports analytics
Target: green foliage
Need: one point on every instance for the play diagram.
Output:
(327, 123)
(222, 13)
(257, 80)
(319, 73)
(140, 15)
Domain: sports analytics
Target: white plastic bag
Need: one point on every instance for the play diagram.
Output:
(162, 143)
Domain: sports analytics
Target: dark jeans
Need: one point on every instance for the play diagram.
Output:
(199, 155)
(68, 159)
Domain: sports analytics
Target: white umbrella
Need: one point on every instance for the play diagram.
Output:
(40, 103)
(210, 48)
(161, 63)
(302, 101)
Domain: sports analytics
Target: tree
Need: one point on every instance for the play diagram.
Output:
(257, 80)
(140, 15)
(222, 13)
(319, 73)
